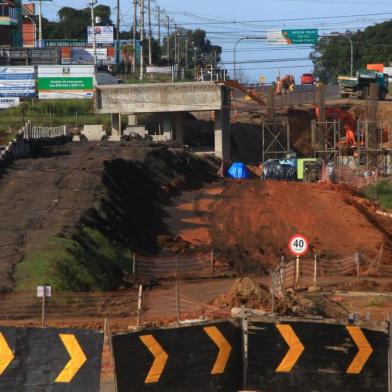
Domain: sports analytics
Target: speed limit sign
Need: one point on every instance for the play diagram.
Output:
(298, 245)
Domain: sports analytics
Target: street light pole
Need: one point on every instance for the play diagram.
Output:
(92, 3)
(248, 37)
(40, 24)
(351, 50)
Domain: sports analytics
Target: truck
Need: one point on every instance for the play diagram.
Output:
(359, 85)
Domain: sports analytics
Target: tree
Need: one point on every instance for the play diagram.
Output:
(73, 23)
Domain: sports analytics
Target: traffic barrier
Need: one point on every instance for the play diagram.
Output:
(316, 356)
(203, 357)
(33, 359)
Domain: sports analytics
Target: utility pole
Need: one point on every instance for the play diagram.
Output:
(168, 37)
(134, 35)
(118, 37)
(175, 44)
(141, 39)
(159, 25)
(40, 24)
(149, 34)
(186, 55)
(92, 3)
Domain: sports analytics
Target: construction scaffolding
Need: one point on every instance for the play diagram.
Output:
(275, 139)
(372, 150)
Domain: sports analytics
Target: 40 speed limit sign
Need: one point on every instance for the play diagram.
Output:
(298, 245)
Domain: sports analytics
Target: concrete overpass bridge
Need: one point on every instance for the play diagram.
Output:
(171, 100)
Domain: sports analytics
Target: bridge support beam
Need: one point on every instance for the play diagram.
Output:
(222, 134)
(179, 130)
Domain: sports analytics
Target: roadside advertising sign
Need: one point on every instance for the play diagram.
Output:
(298, 245)
(9, 102)
(65, 82)
(17, 81)
(103, 34)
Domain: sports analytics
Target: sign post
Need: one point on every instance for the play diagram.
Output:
(43, 292)
(298, 246)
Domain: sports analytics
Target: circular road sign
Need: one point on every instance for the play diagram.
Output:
(298, 245)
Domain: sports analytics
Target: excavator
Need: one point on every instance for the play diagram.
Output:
(335, 113)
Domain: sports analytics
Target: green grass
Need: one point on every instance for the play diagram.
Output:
(91, 263)
(75, 112)
(382, 193)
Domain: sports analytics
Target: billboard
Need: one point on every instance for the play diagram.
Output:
(17, 82)
(292, 37)
(103, 34)
(65, 82)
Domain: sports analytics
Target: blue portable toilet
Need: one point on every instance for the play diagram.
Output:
(238, 170)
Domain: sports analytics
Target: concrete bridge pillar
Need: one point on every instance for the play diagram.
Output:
(222, 134)
(179, 131)
(116, 126)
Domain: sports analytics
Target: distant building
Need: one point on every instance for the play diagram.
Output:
(10, 23)
(29, 26)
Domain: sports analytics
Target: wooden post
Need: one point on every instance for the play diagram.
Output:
(139, 304)
(357, 261)
(315, 271)
(107, 331)
(390, 353)
(212, 262)
(178, 303)
(297, 272)
(273, 290)
(244, 324)
(134, 264)
(43, 309)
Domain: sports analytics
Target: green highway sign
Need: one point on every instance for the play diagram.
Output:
(301, 36)
(292, 37)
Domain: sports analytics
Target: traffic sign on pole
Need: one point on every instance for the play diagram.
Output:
(298, 245)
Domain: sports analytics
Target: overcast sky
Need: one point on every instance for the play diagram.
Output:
(226, 21)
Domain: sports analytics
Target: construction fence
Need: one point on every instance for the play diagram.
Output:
(197, 265)
(306, 272)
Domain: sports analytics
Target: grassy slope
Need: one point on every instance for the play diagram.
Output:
(127, 218)
(67, 265)
(382, 193)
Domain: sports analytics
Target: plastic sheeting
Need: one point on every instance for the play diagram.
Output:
(238, 170)
(280, 169)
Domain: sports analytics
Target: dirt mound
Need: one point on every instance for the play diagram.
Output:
(253, 220)
(245, 292)
(72, 216)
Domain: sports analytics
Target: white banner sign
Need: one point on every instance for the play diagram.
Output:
(17, 81)
(275, 37)
(103, 34)
(9, 102)
(158, 70)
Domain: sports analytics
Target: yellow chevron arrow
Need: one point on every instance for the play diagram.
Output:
(295, 348)
(6, 354)
(224, 349)
(78, 358)
(160, 358)
(364, 350)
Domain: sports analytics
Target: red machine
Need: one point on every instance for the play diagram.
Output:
(307, 78)
(346, 117)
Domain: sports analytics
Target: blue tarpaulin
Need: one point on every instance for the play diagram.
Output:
(238, 170)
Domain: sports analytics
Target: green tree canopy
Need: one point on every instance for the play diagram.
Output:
(73, 23)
